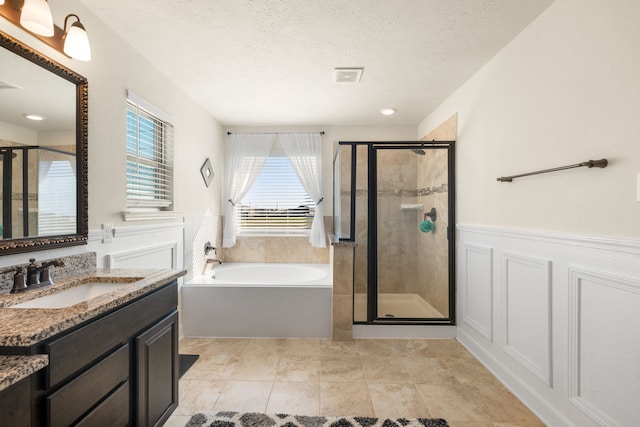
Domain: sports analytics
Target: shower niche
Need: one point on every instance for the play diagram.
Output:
(396, 202)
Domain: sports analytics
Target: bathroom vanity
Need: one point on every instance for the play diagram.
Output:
(111, 359)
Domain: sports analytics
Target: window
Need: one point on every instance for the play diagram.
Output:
(57, 195)
(276, 203)
(149, 156)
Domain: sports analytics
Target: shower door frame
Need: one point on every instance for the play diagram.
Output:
(372, 232)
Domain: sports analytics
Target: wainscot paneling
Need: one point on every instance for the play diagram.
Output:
(555, 317)
(140, 246)
(604, 367)
(526, 305)
(477, 300)
(164, 255)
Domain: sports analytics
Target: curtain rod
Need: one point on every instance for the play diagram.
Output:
(275, 133)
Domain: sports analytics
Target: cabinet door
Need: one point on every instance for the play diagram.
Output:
(157, 372)
(15, 404)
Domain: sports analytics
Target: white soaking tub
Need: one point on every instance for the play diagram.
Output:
(274, 300)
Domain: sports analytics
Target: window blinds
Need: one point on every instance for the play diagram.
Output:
(276, 202)
(149, 159)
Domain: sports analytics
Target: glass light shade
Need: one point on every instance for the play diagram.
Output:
(36, 17)
(76, 43)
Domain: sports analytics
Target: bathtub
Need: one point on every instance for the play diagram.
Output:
(259, 300)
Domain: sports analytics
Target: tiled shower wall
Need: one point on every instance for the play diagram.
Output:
(433, 247)
(409, 261)
(397, 228)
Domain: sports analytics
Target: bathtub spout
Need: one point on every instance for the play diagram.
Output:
(208, 261)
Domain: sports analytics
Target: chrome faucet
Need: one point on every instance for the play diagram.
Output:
(40, 275)
(208, 248)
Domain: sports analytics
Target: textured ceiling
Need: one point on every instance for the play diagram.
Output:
(270, 62)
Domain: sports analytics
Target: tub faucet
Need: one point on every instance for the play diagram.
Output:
(208, 248)
(208, 261)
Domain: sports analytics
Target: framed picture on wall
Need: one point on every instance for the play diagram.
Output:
(207, 172)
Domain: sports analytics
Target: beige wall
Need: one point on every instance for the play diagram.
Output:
(564, 91)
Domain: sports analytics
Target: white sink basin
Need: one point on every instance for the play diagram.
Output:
(71, 296)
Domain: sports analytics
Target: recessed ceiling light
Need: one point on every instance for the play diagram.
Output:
(34, 117)
(388, 111)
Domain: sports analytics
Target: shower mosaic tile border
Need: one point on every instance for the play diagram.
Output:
(427, 191)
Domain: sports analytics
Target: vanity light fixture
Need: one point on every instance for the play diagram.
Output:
(35, 17)
(76, 41)
(388, 111)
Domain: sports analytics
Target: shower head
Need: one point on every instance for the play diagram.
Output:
(418, 151)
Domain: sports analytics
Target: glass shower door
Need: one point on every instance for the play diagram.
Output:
(410, 278)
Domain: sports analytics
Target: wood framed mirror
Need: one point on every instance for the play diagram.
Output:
(43, 163)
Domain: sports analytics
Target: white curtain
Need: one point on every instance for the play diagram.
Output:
(247, 156)
(305, 154)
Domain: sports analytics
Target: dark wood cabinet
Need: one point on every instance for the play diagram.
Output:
(117, 369)
(15, 404)
(157, 372)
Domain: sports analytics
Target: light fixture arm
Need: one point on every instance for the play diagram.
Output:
(11, 10)
(71, 15)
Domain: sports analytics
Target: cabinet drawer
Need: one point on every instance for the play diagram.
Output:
(113, 412)
(74, 399)
(76, 349)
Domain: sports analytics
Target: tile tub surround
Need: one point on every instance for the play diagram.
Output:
(291, 249)
(22, 328)
(15, 368)
(342, 319)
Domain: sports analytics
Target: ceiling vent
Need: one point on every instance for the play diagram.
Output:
(347, 75)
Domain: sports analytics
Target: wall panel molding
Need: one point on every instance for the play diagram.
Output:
(477, 302)
(566, 329)
(163, 255)
(593, 242)
(603, 369)
(526, 312)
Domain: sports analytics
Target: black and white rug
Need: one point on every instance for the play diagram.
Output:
(252, 419)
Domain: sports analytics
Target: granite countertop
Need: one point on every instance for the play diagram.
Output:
(26, 327)
(16, 368)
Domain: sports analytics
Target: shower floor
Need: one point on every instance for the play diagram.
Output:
(395, 306)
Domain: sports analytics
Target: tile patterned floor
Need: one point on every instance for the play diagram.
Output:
(384, 378)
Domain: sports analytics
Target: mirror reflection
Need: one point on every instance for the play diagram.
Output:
(42, 151)
(38, 150)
